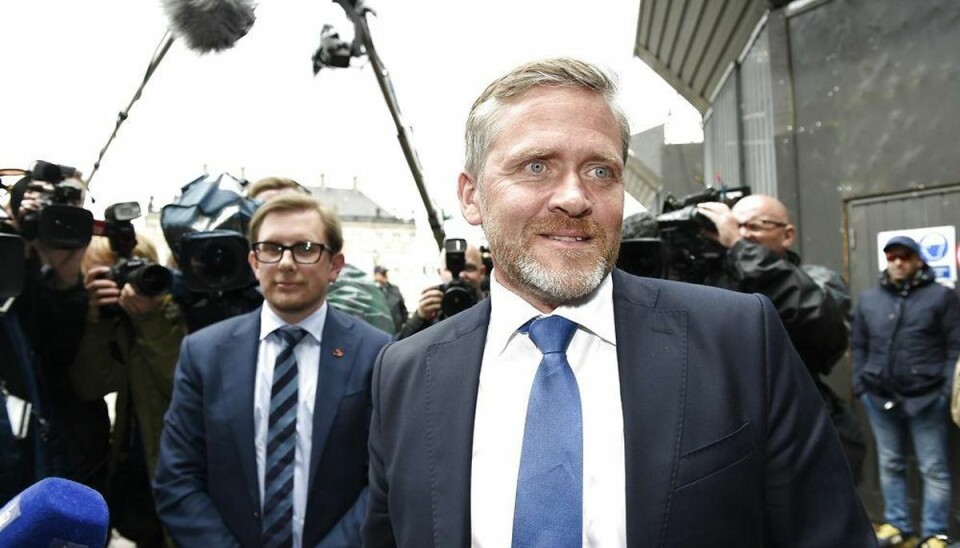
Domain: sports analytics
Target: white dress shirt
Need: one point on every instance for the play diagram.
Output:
(308, 366)
(510, 362)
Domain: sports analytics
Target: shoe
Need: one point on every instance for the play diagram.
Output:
(889, 536)
(935, 541)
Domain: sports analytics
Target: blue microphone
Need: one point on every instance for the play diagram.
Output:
(55, 513)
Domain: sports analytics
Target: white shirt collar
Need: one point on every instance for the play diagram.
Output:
(270, 322)
(509, 312)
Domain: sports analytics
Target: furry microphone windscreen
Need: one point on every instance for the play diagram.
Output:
(55, 512)
(210, 25)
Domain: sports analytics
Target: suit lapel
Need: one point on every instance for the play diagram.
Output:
(652, 353)
(238, 367)
(452, 377)
(332, 380)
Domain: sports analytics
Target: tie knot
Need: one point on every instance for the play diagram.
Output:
(291, 335)
(551, 334)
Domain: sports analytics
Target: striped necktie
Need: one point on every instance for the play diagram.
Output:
(281, 443)
(549, 503)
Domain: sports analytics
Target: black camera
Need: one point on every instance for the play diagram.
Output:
(215, 261)
(458, 295)
(13, 273)
(148, 278)
(60, 223)
(676, 248)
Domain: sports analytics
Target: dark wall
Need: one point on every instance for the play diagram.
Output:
(877, 98)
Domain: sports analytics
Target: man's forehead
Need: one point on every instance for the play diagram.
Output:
(752, 207)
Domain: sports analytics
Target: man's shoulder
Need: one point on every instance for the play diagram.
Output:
(225, 329)
(669, 294)
(475, 317)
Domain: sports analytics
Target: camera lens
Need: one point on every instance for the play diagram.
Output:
(457, 297)
(151, 280)
(215, 262)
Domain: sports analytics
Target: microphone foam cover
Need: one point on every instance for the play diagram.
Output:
(55, 512)
(210, 25)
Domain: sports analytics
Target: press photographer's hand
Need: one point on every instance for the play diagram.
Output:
(135, 304)
(728, 230)
(101, 290)
(430, 301)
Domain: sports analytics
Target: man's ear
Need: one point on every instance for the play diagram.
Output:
(789, 233)
(469, 195)
(336, 264)
(254, 264)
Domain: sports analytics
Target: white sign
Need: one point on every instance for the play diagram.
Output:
(938, 245)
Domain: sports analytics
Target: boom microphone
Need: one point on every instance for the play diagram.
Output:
(55, 512)
(210, 25)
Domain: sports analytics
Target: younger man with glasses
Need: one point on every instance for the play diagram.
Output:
(906, 340)
(265, 440)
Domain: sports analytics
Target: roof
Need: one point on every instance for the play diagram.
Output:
(353, 205)
(691, 43)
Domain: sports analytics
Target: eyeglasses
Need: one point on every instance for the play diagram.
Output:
(901, 255)
(761, 225)
(303, 252)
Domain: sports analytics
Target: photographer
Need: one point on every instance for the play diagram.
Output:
(66, 436)
(429, 310)
(813, 302)
(130, 346)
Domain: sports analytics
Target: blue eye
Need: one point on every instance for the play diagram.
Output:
(602, 172)
(537, 167)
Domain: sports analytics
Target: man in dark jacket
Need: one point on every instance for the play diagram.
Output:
(906, 340)
(398, 309)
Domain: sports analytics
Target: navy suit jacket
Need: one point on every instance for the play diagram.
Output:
(727, 441)
(206, 486)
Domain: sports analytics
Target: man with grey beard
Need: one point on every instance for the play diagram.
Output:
(582, 406)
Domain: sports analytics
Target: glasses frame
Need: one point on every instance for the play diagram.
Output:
(766, 224)
(292, 248)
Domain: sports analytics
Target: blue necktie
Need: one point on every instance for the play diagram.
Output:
(549, 505)
(281, 443)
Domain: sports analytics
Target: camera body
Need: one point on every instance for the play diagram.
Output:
(147, 277)
(458, 294)
(59, 223)
(679, 250)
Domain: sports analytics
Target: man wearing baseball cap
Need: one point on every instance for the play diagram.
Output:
(906, 340)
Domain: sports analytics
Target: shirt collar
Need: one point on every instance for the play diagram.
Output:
(313, 324)
(509, 312)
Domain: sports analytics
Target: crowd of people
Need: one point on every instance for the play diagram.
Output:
(572, 403)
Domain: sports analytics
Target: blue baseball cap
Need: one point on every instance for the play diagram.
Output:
(903, 241)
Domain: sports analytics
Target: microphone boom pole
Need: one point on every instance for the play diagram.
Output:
(403, 133)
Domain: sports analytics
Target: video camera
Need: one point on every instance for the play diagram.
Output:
(61, 223)
(206, 228)
(147, 277)
(458, 295)
(676, 248)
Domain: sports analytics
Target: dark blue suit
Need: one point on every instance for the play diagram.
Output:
(206, 481)
(727, 441)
